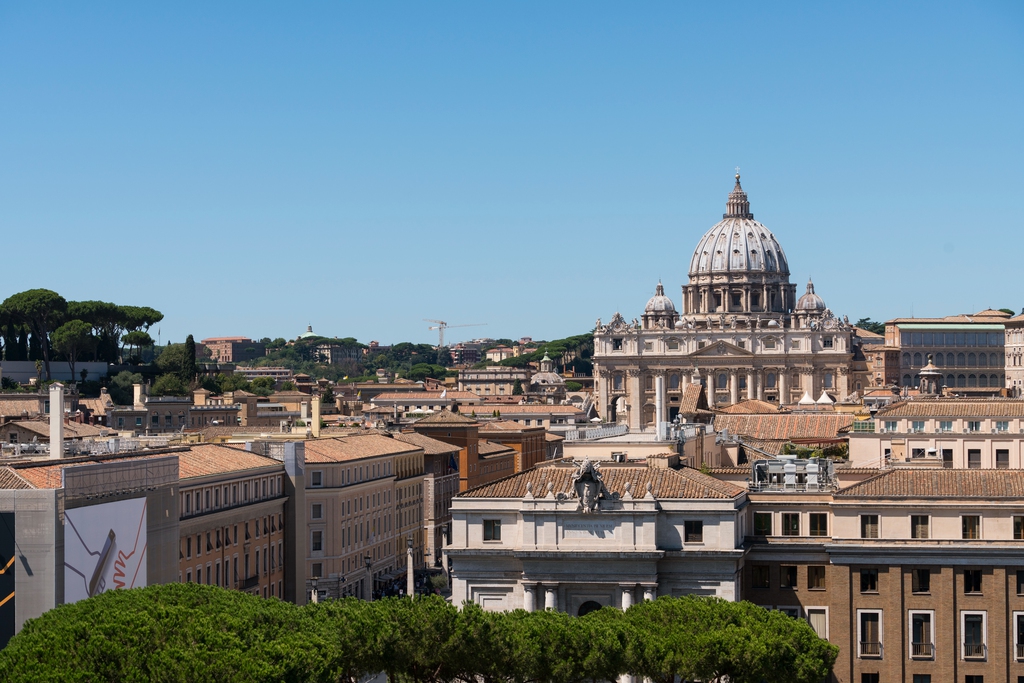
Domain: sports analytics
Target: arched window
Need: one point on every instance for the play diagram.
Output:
(917, 360)
(673, 382)
(982, 360)
(983, 381)
(906, 380)
(961, 360)
(617, 382)
(961, 380)
(723, 381)
(972, 360)
(949, 360)
(950, 381)
(906, 360)
(993, 360)
(972, 381)
(938, 360)
(828, 380)
(769, 381)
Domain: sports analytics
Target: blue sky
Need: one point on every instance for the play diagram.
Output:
(252, 168)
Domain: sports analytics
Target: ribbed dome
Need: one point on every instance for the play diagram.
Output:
(659, 303)
(738, 244)
(810, 301)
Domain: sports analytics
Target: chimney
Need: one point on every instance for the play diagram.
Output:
(56, 421)
(139, 391)
(316, 417)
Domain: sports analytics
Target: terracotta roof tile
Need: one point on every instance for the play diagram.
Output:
(955, 407)
(9, 479)
(343, 449)
(489, 449)
(506, 426)
(939, 483)
(49, 476)
(429, 446)
(751, 408)
(785, 426)
(205, 459)
(425, 396)
(693, 400)
(684, 484)
(446, 417)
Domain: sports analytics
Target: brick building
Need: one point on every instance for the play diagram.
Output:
(233, 349)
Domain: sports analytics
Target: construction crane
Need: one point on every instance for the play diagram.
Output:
(441, 326)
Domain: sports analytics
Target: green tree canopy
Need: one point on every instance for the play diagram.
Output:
(261, 386)
(188, 362)
(870, 325)
(121, 387)
(168, 385)
(42, 310)
(72, 339)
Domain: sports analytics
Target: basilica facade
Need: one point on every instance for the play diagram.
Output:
(740, 330)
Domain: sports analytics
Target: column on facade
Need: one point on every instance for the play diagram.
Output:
(760, 384)
(751, 380)
(659, 398)
(650, 592)
(684, 380)
(551, 597)
(627, 597)
(734, 387)
(636, 399)
(529, 597)
(782, 377)
(844, 382)
(807, 380)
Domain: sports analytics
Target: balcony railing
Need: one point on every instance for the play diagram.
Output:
(870, 649)
(922, 650)
(250, 582)
(974, 651)
(1020, 651)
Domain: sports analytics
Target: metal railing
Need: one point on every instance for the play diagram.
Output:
(1020, 651)
(870, 649)
(596, 433)
(974, 651)
(922, 650)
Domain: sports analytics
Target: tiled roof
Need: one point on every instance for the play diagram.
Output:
(97, 406)
(9, 479)
(15, 407)
(45, 476)
(425, 396)
(548, 436)
(506, 426)
(342, 449)
(772, 446)
(685, 483)
(71, 429)
(939, 483)
(954, 407)
(785, 426)
(751, 407)
(693, 400)
(429, 446)
(446, 417)
(955, 319)
(529, 409)
(205, 459)
(866, 334)
(488, 449)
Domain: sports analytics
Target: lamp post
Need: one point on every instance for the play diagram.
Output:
(369, 577)
(315, 595)
(410, 583)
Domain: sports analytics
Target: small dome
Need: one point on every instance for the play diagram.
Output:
(659, 303)
(308, 333)
(810, 301)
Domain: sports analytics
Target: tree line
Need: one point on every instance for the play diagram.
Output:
(40, 324)
(191, 632)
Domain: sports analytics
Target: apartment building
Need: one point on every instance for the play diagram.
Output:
(494, 381)
(364, 500)
(952, 432)
(232, 349)
(440, 484)
(234, 522)
(529, 443)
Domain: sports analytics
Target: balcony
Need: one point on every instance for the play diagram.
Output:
(1020, 652)
(974, 651)
(250, 582)
(922, 650)
(870, 649)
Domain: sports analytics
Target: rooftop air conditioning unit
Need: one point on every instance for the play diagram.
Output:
(967, 431)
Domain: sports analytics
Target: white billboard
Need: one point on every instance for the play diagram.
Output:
(104, 548)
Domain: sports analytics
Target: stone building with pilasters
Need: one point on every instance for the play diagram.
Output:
(741, 331)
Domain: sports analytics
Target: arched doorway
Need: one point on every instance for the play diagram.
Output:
(588, 607)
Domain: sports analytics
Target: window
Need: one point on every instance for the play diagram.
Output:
(922, 635)
(971, 527)
(816, 578)
(317, 511)
(917, 426)
(922, 678)
(974, 459)
(817, 617)
(694, 531)
(318, 541)
(891, 425)
(761, 576)
(974, 425)
(869, 678)
(819, 523)
(188, 548)
(787, 577)
(1002, 426)
(762, 524)
(1002, 459)
(919, 526)
(318, 569)
(770, 344)
(790, 523)
(492, 529)
(976, 678)
(1018, 528)
(945, 425)
(921, 580)
(796, 343)
(972, 581)
(973, 628)
(315, 479)
(869, 632)
(826, 342)
(1020, 582)
(869, 526)
(616, 344)
(868, 580)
